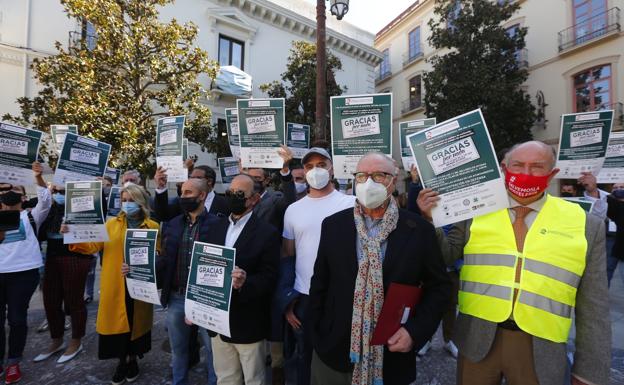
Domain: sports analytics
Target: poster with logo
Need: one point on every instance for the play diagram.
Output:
(81, 159)
(359, 124)
(114, 174)
(59, 132)
(406, 129)
(612, 170)
(583, 143)
(19, 148)
(170, 147)
(298, 139)
(233, 134)
(228, 168)
(456, 158)
(140, 255)
(209, 287)
(83, 212)
(262, 126)
(114, 202)
(585, 204)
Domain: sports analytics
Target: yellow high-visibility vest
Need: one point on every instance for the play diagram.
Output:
(553, 262)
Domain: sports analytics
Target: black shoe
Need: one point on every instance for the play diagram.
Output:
(120, 374)
(133, 371)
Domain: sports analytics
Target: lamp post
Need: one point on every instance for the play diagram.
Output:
(338, 8)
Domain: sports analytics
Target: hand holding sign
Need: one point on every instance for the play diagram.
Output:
(238, 277)
(160, 178)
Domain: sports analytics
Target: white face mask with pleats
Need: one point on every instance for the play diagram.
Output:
(317, 178)
(371, 194)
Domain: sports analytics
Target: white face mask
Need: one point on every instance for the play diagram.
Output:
(300, 187)
(371, 194)
(317, 178)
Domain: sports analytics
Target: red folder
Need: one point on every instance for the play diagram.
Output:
(397, 308)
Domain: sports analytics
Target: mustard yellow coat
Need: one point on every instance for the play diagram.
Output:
(112, 317)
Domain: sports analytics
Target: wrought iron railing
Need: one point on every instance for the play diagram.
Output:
(591, 28)
(411, 104)
(382, 75)
(414, 55)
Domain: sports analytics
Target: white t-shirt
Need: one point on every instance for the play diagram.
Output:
(302, 222)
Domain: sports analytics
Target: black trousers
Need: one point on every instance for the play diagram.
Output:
(16, 289)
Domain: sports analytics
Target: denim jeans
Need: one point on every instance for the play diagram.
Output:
(16, 289)
(303, 351)
(179, 335)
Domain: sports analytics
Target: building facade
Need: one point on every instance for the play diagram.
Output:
(574, 56)
(253, 35)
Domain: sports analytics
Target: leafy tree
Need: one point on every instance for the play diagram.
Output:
(298, 84)
(115, 83)
(479, 68)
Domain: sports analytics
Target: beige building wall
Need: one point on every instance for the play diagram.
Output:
(551, 70)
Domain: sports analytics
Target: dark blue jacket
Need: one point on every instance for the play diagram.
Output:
(171, 235)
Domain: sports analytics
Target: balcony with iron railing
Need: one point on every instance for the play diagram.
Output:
(381, 76)
(522, 58)
(78, 39)
(410, 105)
(413, 56)
(593, 28)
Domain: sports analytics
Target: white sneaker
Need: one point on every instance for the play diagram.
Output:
(451, 348)
(68, 357)
(45, 356)
(424, 349)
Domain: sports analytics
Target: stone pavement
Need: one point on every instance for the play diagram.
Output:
(436, 368)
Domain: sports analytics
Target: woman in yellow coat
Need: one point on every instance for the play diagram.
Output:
(123, 324)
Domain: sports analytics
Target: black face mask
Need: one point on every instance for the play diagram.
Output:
(237, 204)
(11, 198)
(619, 194)
(189, 204)
(567, 195)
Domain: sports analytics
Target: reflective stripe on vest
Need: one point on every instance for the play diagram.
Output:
(553, 262)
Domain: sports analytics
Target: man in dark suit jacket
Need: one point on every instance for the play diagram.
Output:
(257, 244)
(404, 250)
(166, 209)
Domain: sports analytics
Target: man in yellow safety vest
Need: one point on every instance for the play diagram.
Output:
(527, 270)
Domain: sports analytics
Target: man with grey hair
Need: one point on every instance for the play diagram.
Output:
(131, 176)
(362, 250)
(526, 270)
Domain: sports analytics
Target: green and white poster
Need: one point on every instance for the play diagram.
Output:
(140, 255)
(170, 148)
(456, 158)
(114, 202)
(59, 131)
(233, 134)
(583, 143)
(612, 170)
(114, 174)
(19, 148)
(585, 204)
(83, 212)
(359, 124)
(298, 139)
(81, 159)
(228, 168)
(209, 287)
(262, 126)
(406, 129)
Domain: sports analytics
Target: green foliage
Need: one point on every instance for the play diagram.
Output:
(298, 83)
(116, 84)
(479, 68)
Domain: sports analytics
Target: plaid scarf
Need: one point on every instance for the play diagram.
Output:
(368, 299)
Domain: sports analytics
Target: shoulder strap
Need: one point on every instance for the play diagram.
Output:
(31, 219)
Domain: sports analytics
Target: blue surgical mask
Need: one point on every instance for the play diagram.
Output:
(131, 208)
(59, 198)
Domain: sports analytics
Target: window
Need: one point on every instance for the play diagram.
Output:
(590, 18)
(511, 32)
(88, 34)
(415, 93)
(384, 67)
(453, 15)
(414, 43)
(231, 52)
(592, 89)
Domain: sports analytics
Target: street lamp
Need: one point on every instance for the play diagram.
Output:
(338, 8)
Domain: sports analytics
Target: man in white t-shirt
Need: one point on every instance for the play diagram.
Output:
(302, 233)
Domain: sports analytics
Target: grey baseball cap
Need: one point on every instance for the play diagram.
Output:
(315, 150)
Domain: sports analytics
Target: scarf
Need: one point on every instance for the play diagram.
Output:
(368, 299)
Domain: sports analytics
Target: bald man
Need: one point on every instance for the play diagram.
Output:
(194, 224)
(526, 270)
(362, 250)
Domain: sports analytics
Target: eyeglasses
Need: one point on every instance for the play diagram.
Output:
(377, 176)
(236, 194)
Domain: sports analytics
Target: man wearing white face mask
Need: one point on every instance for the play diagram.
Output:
(302, 231)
